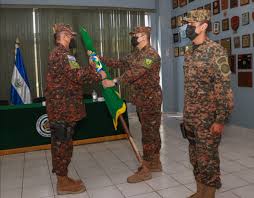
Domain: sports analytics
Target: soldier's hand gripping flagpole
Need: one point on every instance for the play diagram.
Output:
(115, 104)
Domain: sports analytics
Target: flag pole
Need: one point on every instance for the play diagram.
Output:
(130, 138)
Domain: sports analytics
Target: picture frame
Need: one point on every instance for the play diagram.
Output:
(182, 3)
(173, 22)
(176, 51)
(216, 27)
(244, 61)
(225, 24)
(175, 4)
(245, 18)
(176, 37)
(224, 4)
(233, 3)
(244, 2)
(245, 79)
(179, 21)
(237, 42)
(226, 43)
(216, 7)
(182, 51)
(253, 40)
(246, 41)
(232, 63)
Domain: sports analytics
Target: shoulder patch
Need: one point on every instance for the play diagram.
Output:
(148, 63)
(72, 62)
(222, 63)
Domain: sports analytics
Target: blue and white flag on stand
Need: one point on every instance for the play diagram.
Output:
(20, 88)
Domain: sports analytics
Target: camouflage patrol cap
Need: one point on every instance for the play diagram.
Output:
(141, 29)
(198, 16)
(60, 27)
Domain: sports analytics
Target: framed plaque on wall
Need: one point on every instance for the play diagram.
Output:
(245, 79)
(246, 41)
(224, 4)
(226, 43)
(237, 42)
(245, 18)
(244, 61)
(233, 3)
(216, 7)
(232, 63)
(182, 3)
(175, 4)
(225, 24)
(244, 2)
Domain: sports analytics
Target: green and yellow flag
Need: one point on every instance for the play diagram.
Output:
(115, 104)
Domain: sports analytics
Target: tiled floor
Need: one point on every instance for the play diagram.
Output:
(104, 168)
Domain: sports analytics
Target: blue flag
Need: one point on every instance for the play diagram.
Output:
(20, 88)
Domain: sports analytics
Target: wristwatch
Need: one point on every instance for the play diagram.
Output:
(115, 81)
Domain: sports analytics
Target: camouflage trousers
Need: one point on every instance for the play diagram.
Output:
(61, 146)
(204, 154)
(150, 126)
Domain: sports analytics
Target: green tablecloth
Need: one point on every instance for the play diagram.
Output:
(18, 125)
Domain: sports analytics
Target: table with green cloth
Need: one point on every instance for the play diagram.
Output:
(26, 128)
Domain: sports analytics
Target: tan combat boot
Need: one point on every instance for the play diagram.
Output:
(66, 185)
(200, 191)
(142, 174)
(155, 164)
(209, 192)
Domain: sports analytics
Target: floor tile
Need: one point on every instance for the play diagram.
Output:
(175, 192)
(134, 189)
(107, 192)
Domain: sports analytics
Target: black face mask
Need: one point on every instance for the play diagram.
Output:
(190, 32)
(72, 44)
(134, 41)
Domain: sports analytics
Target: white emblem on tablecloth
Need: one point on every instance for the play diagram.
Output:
(42, 126)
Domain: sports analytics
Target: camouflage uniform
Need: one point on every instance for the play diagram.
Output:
(64, 101)
(142, 74)
(208, 99)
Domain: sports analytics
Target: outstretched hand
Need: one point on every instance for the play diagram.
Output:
(108, 83)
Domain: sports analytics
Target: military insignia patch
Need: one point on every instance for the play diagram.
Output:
(147, 63)
(72, 62)
(223, 65)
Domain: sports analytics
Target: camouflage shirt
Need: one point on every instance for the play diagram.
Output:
(207, 87)
(143, 74)
(64, 89)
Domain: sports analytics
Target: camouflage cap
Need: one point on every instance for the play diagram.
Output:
(198, 16)
(60, 27)
(141, 29)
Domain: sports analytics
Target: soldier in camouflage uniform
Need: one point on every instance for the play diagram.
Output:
(64, 104)
(208, 102)
(142, 74)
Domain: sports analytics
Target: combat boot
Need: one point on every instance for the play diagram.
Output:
(142, 174)
(200, 191)
(78, 181)
(155, 164)
(66, 185)
(209, 192)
